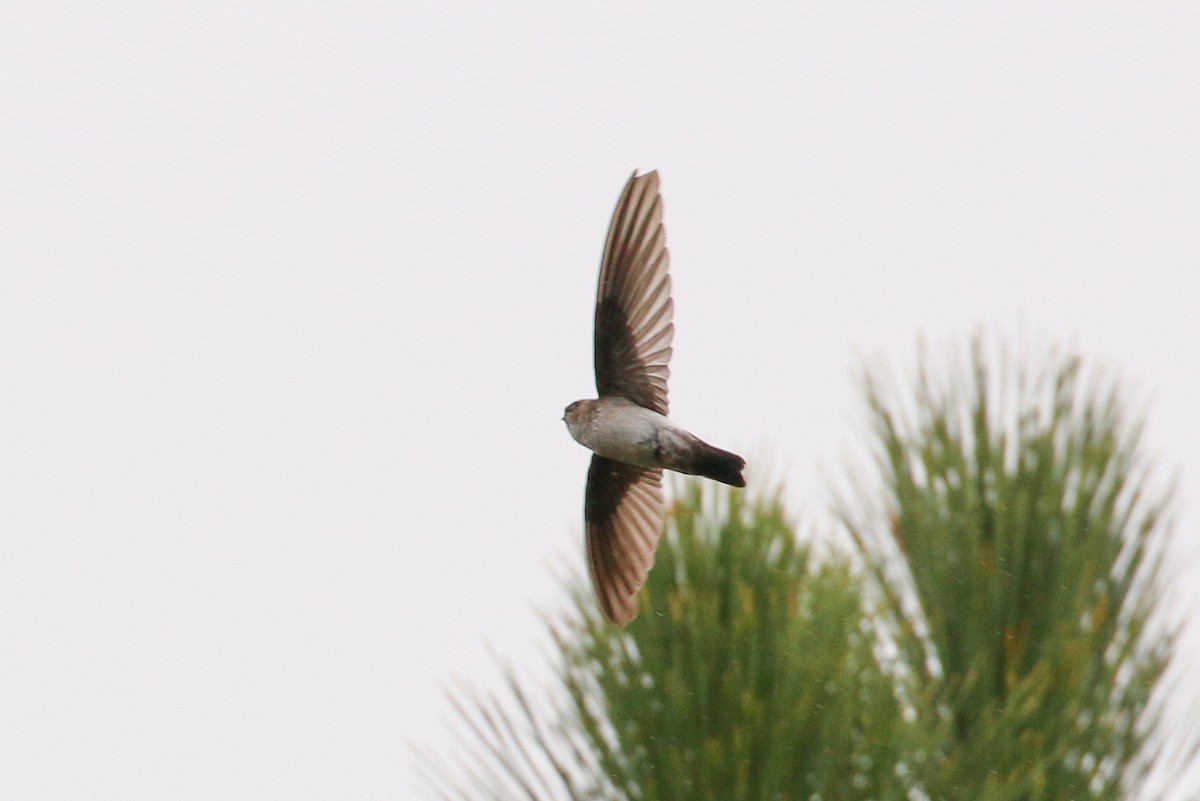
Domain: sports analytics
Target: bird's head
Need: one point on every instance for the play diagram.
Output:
(576, 416)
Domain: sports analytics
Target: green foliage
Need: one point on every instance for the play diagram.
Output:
(1020, 509)
(993, 640)
(749, 674)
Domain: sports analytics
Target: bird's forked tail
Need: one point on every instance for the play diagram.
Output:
(721, 466)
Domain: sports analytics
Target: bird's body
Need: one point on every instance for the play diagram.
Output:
(621, 430)
(627, 427)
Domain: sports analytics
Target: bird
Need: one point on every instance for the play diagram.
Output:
(627, 427)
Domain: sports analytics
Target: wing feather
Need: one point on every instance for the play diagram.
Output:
(634, 311)
(623, 513)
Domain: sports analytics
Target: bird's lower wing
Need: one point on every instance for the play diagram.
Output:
(623, 513)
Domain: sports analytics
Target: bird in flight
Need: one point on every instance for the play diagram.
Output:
(627, 426)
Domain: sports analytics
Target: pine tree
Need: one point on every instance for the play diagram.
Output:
(1032, 538)
(992, 636)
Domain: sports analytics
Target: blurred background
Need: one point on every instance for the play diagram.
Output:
(292, 297)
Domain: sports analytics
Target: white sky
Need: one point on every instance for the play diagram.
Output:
(292, 296)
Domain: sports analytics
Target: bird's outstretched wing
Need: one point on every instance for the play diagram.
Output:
(623, 512)
(634, 312)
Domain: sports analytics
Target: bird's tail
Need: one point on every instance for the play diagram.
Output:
(721, 466)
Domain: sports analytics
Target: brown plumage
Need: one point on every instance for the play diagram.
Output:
(627, 425)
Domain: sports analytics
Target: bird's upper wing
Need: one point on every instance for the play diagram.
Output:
(623, 512)
(633, 301)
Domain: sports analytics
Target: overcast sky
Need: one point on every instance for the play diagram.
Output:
(292, 296)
